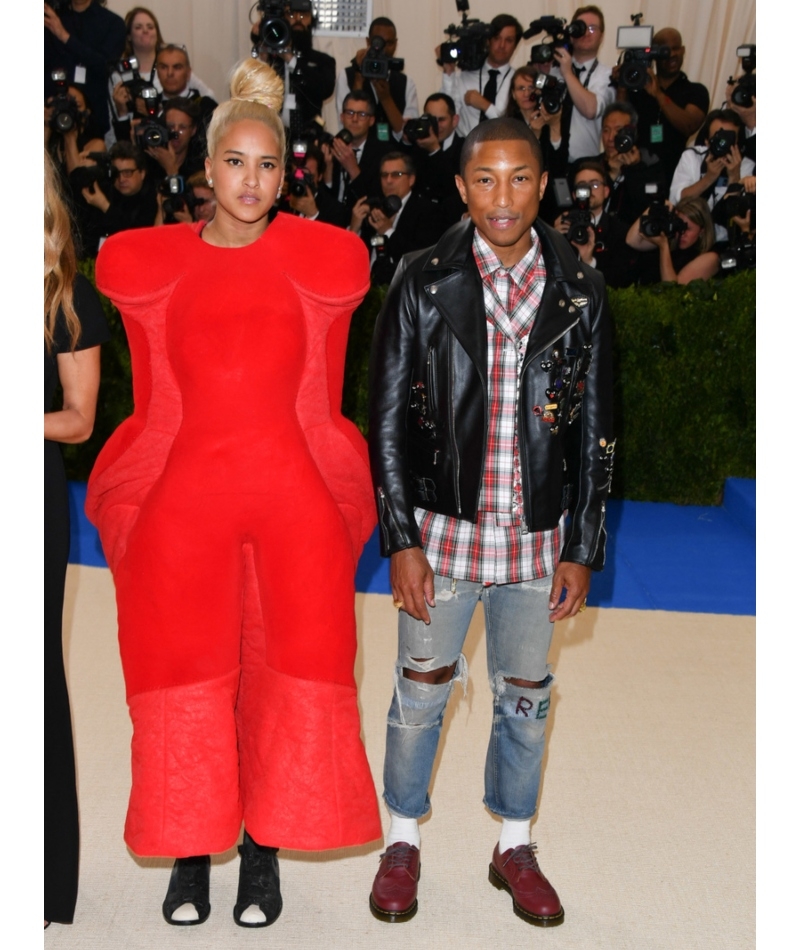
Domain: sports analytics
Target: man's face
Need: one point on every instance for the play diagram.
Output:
(128, 179)
(614, 122)
(357, 117)
(502, 186)
(389, 36)
(395, 180)
(173, 72)
(313, 169)
(672, 39)
(299, 20)
(501, 47)
(180, 122)
(204, 211)
(447, 123)
(595, 182)
(589, 43)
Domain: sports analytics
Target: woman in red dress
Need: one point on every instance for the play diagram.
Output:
(232, 506)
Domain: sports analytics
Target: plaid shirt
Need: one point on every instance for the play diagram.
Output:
(498, 549)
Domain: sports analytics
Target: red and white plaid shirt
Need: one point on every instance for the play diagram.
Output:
(498, 549)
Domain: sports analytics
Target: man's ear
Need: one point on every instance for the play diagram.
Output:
(462, 188)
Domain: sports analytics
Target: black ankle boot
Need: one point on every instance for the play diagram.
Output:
(259, 883)
(188, 884)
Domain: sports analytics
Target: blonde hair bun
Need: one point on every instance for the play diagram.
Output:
(254, 81)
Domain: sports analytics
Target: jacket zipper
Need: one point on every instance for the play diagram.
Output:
(432, 379)
(457, 460)
(384, 508)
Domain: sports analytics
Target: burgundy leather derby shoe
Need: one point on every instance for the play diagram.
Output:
(517, 871)
(394, 890)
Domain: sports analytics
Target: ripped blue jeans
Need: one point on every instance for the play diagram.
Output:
(518, 635)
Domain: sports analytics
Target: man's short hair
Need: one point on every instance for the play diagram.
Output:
(591, 8)
(128, 152)
(723, 115)
(504, 129)
(398, 156)
(590, 165)
(624, 107)
(174, 48)
(501, 21)
(359, 96)
(381, 21)
(443, 97)
(185, 105)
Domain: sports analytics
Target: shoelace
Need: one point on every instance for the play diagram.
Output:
(525, 858)
(399, 856)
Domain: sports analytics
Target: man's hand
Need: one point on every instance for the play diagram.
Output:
(575, 579)
(651, 86)
(346, 158)
(94, 196)
(380, 222)
(560, 224)
(411, 578)
(54, 24)
(430, 143)
(749, 183)
(359, 212)
(473, 98)
(632, 157)
(166, 158)
(122, 99)
(306, 205)
(381, 87)
(564, 59)
(447, 68)
(586, 251)
(733, 163)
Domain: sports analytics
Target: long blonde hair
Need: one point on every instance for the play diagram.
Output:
(256, 93)
(60, 265)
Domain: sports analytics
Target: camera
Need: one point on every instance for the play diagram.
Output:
(102, 172)
(744, 88)
(625, 139)
(721, 142)
(550, 92)
(638, 53)
(126, 71)
(421, 128)
(736, 203)
(177, 197)
(660, 220)
(274, 32)
(66, 113)
(388, 204)
(467, 46)
(153, 132)
(579, 216)
(301, 179)
(738, 256)
(378, 242)
(376, 64)
(561, 35)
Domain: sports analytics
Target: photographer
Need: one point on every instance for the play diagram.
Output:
(184, 152)
(415, 225)
(143, 40)
(353, 169)
(82, 38)
(746, 112)
(132, 201)
(203, 201)
(670, 107)
(684, 238)
(706, 170)
(636, 175)
(483, 93)
(598, 238)
(68, 147)
(309, 76)
(588, 89)
(437, 157)
(307, 198)
(394, 98)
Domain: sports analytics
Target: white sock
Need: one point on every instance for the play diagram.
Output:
(403, 829)
(514, 833)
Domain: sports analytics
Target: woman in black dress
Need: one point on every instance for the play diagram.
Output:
(74, 328)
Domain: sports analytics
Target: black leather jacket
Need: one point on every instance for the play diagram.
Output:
(429, 404)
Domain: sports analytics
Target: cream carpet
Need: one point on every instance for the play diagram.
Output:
(646, 823)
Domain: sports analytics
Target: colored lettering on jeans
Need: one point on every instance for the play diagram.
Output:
(544, 705)
(523, 705)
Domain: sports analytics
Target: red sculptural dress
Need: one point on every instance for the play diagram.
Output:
(232, 507)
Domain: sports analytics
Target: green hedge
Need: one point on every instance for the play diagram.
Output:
(684, 387)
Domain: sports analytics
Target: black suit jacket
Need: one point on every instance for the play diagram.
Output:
(369, 181)
(436, 179)
(420, 226)
(312, 82)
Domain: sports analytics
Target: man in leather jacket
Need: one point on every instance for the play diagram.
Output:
(490, 417)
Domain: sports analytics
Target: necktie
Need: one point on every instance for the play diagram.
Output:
(578, 70)
(490, 89)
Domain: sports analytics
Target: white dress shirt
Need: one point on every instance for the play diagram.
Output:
(459, 82)
(584, 134)
(411, 110)
(688, 172)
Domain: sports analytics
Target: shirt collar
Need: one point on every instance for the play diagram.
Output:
(488, 262)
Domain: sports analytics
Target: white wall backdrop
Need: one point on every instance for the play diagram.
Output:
(216, 32)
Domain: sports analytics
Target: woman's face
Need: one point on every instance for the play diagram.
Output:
(143, 33)
(690, 235)
(522, 92)
(247, 171)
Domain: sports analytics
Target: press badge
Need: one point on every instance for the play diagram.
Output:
(80, 76)
(383, 131)
(291, 102)
(656, 133)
